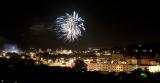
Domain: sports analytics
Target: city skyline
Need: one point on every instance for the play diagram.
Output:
(108, 24)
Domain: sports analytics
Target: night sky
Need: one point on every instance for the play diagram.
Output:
(108, 24)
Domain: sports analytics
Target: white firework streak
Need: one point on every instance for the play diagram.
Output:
(70, 27)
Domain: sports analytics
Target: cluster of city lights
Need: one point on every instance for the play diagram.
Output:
(93, 63)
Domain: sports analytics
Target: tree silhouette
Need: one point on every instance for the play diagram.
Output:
(80, 66)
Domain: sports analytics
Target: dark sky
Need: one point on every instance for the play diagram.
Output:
(108, 24)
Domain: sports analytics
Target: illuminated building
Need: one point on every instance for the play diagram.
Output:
(64, 51)
(154, 69)
(143, 60)
(109, 67)
(117, 57)
(107, 52)
(119, 68)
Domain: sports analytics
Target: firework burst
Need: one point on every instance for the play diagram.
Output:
(69, 27)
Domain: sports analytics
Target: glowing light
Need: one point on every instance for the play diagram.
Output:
(2, 80)
(8, 57)
(32, 54)
(154, 69)
(112, 62)
(11, 48)
(140, 45)
(4, 54)
(144, 50)
(23, 57)
(136, 50)
(70, 27)
(49, 60)
(150, 50)
(98, 54)
(71, 60)
(67, 52)
(143, 75)
(36, 62)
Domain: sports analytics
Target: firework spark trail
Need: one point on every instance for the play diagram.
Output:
(70, 27)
